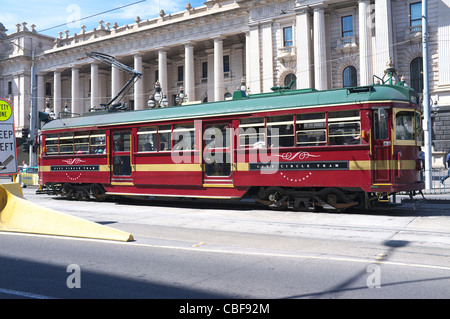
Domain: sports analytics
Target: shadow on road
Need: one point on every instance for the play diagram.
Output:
(49, 280)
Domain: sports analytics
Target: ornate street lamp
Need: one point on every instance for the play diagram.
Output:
(181, 97)
(157, 99)
(243, 86)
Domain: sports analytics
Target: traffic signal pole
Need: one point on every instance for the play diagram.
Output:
(33, 115)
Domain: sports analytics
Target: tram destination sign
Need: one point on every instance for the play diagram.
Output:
(8, 151)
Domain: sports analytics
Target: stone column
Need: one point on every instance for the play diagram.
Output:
(218, 70)
(320, 50)
(304, 49)
(56, 92)
(162, 71)
(95, 96)
(383, 38)
(76, 91)
(139, 100)
(365, 39)
(189, 79)
(40, 93)
(254, 67)
(267, 56)
(115, 81)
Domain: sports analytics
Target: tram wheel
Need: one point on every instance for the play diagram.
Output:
(99, 193)
(332, 199)
(277, 198)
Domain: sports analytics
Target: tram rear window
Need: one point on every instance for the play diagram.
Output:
(78, 143)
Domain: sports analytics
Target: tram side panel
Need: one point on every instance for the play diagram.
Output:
(74, 169)
(168, 169)
(342, 167)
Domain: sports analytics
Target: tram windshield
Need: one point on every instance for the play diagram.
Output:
(407, 127)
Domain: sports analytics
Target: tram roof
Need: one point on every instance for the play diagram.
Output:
(279, 100)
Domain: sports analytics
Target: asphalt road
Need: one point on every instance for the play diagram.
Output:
(209, 250)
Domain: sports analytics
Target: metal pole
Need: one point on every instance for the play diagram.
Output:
(426, 99)
(33, 112)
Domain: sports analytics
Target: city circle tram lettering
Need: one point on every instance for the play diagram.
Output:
(77, 168)
(301, 166)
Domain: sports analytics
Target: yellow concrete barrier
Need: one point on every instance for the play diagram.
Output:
(13, 188)
(19, 215)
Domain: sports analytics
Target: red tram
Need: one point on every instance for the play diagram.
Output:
(300, 149)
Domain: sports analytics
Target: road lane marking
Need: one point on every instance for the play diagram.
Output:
(250, 253)
(23, 294)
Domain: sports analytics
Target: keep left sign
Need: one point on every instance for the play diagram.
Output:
(8, 151)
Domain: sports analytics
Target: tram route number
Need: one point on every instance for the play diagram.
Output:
(228, 308)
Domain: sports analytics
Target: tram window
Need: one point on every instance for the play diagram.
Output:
(419, 131)
(280, 131)
(164, 137)
(52, 144)
(344, 127)
(404, 129)
(121, 141)
(98, 142)
(381, 124)
(65, 143)
(81, 143)
(184, 137)
(217, 136)
(252, 133)
(311, 129)
(147, 139)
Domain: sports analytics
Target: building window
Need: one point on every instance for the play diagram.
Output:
(204, 70)
(347, 26)
(416, 73)
(48, 88)
(288, 81)
(10, 90)
(415, 14)
(226, 63)
(287, 37)
(180, 74)
(349, 76)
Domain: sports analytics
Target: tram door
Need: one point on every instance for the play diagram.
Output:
(217, 154)
(381, 146)
(121, 157)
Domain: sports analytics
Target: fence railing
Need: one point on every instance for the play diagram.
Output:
(436, 186)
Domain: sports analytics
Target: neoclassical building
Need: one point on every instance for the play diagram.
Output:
(208, 50)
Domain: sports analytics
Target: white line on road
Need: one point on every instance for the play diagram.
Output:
(227, 250)
(23, 294)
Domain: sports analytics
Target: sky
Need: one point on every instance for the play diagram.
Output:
(53, 16)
